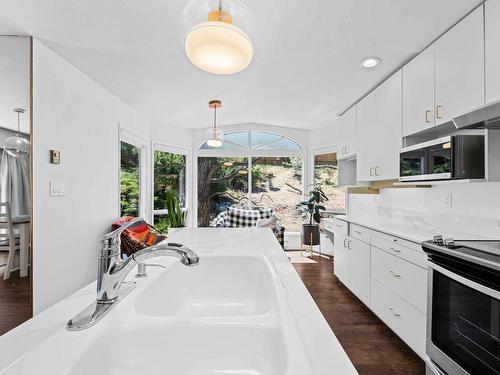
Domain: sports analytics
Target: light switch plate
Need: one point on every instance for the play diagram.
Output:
(58, 189)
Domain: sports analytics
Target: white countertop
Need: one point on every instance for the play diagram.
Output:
(410, 232)
(324, 350)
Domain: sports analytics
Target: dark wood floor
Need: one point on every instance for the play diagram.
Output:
(15, 301)
(372, 347)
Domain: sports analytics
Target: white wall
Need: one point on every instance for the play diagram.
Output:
(322, 137)
(171, 135)
(77, 116)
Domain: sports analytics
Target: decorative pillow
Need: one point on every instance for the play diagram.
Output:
(138, 236)
(242, 218)
(267, 223)
(266, 213)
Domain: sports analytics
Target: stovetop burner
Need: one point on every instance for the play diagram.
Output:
(484, 252)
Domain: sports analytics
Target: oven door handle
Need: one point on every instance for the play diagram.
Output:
(462, 280)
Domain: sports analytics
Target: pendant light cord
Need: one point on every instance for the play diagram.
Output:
(215, 119)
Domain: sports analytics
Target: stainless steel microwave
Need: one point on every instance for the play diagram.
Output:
(449, 158)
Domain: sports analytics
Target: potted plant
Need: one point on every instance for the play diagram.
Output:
(176, 217)
(311, 210)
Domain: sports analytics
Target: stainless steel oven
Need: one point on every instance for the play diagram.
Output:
(460, 156)
(463, 313)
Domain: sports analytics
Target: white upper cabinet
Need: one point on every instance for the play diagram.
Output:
(379, 131)
(347, 134)
(459, 68)
(492, 35)
(418, 93)
(447, 79)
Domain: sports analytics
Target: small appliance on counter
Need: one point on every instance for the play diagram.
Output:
(463, 309)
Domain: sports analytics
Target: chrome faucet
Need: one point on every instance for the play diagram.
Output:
(112, 270)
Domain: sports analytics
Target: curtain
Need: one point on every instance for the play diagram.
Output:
(15, 183)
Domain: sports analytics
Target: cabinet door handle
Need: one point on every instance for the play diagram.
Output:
(439, 115)
(397, 251)
(345, 239)
(346, 148)
(371, 171)
(391, 309)
(349, 244)
(427, 113)
(396, 275)
(376, 171)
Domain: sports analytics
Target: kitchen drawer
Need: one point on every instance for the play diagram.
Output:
(405, 320)
(403, 249)
(359, 232)
(405, 279)
(339, 226)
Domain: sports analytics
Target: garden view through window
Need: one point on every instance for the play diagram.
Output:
(169, 176)
(130, 177)
(326, 175)
(252, 181)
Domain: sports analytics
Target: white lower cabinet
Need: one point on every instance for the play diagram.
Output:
(341, 258)
(389, 275)
(404, 319)
(352, 265)
(403, 278)
(359, 269)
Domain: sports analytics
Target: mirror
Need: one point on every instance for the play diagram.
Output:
(15, 186)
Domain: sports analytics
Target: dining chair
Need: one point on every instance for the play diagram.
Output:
(9, 238)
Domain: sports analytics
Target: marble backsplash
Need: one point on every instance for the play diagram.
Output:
(474, 211)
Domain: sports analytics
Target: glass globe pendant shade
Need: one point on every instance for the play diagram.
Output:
(218, 36)
(215, 137)
(17, 146)
(219, 48)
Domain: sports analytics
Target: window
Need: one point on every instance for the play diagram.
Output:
(255, 141)
(222, 182)
(326, 175)
(130, 179)
(169, 175)
(275, 181)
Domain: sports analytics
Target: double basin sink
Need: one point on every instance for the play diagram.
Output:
(226, 316)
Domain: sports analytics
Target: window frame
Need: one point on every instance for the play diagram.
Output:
(136, 140)
(180, 150)
(248, 153)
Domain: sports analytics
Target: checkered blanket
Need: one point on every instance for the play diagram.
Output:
(244, 218)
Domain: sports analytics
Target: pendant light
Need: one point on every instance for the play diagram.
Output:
(216, 45)
(215, 135)
(17, 145)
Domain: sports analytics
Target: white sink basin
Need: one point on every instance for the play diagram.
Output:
(185, 349)
(219, 286)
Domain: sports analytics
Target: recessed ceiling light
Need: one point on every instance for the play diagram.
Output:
(370, 62)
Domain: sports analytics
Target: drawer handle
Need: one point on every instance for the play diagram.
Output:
(397, 251)
(338, 225)
(349, 245)
(396, 275)
(394, 312)
(358, 232)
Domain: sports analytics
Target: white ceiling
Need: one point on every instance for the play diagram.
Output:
(306, 69)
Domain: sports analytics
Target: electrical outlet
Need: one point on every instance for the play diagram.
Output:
(448, 200)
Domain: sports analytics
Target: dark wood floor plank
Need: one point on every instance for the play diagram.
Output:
(372, 347)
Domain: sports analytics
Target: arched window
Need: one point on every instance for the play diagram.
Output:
(255, 140)
(252, 169)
